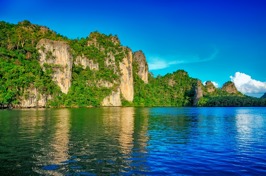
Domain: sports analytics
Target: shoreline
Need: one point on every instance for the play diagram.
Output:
(88, 107)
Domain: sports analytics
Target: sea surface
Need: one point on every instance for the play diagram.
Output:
(133, 141)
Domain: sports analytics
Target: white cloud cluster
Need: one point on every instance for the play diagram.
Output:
(215, 84)
(245, 84)
(157, 63)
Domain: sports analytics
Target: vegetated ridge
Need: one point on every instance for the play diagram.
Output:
(40, 68)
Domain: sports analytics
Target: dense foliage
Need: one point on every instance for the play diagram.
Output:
(19, 67)
(84, 90)
(178, 89)
(20, 72)
(231, 101)
(175, 89)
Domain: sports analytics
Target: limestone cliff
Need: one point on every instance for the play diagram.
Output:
(117, 61)
(198, 93)
(56, 56)
(36, 63)
(86, 63)
(113, 99)
(32, 98)
(230, 87)
(139, 60)
(126, 89)
(210, 87)
(126, 85)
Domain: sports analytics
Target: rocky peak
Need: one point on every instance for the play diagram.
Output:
(263, 96)
(115, 40)
(210, 87)
(230, 87)
(96, 39)
(56, 56)
(142, 66)
(198, 92)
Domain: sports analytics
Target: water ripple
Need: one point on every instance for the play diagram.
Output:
(134, 141)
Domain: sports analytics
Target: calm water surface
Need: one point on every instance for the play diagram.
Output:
(133, 141)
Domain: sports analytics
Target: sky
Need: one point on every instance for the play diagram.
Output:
(213, 40)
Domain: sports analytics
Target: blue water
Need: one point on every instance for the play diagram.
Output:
(133, 141)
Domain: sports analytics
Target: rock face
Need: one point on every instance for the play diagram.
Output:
(113, 99)
(210, 87)
(142, 66)
(56, 55)
(86, 63)
(121, 67)
(110, 61)
(32, 99)
(230, 87)
(198, 93)
(103, 83)
(171, 82)
(126, 85)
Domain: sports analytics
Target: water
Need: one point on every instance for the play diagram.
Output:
(133, 141)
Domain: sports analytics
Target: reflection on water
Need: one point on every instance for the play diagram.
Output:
(246, 123)
(126, 123)
(133, 141)
(250, 131)
(55, 150)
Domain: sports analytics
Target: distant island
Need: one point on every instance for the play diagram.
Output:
(40, 68)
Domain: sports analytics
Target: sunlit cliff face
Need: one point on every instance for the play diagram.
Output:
(57, 54)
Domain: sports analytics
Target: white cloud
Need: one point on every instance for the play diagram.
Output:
(245, 84)
(215, 84)
(157, 63)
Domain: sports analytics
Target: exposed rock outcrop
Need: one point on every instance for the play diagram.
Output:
(230, 87)
(110, 60)
(126, 85)
(118, 59)
(33, 99)
(198, 93)
(210, 87)
(142, 66)
(171, 82)
(103, 83)
(113, 99)
(56, 55)
(86, 63)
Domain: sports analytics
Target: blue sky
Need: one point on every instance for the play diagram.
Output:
(210, 39)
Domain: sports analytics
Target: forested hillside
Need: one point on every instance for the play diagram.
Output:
(40, 68)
